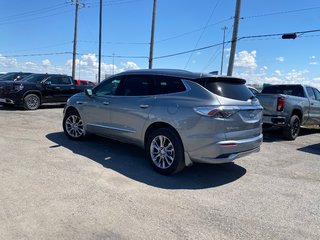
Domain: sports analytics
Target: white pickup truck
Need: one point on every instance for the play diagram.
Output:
(289, 107)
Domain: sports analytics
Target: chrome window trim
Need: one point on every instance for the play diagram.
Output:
(112, 128)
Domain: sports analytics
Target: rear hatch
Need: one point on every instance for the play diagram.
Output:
(240, 109)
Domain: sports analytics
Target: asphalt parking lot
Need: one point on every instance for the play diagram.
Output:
(53, 188)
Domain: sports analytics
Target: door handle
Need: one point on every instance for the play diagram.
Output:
(56, 87)
(144, 106)
(106, 103)
(80, 102)
(312, 104)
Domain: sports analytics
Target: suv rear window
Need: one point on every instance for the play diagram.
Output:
(165, 85)
(228, 88)
(293, 90)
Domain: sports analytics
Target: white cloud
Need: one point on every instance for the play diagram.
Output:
(280, 59)
(130, 66)
(313, 57)
(313, 63)
(245, 59)
(6, 62)
(90, 59)
(46, 62)
(278, 73)
(277, 77)
(86, 66)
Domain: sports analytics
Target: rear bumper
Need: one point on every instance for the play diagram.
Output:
(275, 120)
(229, 150)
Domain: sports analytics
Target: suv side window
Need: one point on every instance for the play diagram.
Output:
(311, 93)
(165, 85)
(136, 85)
(317, 93)
(60, 80)
(107, 87)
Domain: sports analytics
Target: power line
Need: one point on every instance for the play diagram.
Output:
(32, 49)
(67, 53)
(281, 12)
(192, 31)
(116, 43)
(113, 3)
(252, 37)
(34, 12)
(215, 54)
(200, 37)
(227, 42)
(35, 18)
(120, 56)
(36, 54)
(189, 51)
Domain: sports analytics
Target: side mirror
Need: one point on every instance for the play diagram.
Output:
(88, 92)
(47, 83)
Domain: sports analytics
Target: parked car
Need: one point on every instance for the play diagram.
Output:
(13, 76)
(289, 107)
(178, 117)
(84, 83)
(37, 89)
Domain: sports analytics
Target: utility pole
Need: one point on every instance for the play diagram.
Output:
(75, 40)
(100, 37)
(234, 37)
(222, 55)
(152, 34)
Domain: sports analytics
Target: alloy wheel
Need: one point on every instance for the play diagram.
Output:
(74, 126)
(162, 152)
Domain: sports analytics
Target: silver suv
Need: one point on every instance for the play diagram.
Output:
(178, 117)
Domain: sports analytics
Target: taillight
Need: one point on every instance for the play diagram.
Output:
(216, 111)
(281, 103)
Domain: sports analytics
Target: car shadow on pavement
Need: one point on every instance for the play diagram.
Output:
(314, 149)
(15, 108)
(130, 161)
(275, 134)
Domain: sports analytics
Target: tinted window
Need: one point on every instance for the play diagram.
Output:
(34, 78)
(293, 90)
(317, 93)
(165, 85)
(311, 93)
(83, 83)
(233, 90)
(8, 77)
(136, 85)
(107, 87)
(59, 80)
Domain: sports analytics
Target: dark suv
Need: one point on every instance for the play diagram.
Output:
(38, 89)
(178, 117)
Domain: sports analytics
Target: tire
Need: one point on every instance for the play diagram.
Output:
(291, 131)
(165, 151)
(73, 126)
(31, 102)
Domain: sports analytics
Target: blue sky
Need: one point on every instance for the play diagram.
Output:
(38, 27)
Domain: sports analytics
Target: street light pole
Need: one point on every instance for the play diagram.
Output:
(234, 37)
(75, 41)
(222, 55)
(152, 34)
